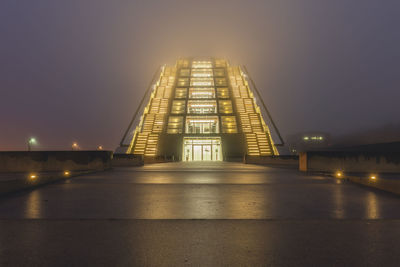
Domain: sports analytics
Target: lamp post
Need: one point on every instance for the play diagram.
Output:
(31, 141)
(75, 146)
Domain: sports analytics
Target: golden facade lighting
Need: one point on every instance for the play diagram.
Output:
(192, 110)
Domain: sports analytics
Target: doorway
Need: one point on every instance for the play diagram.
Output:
(202, 149)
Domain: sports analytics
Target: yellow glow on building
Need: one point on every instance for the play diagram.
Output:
(202, 100)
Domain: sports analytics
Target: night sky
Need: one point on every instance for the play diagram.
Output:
(75, 70)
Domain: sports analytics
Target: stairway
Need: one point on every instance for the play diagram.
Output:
(250, 119)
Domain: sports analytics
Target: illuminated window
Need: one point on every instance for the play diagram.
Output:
(201, 93)
(183, 82)
(201, 82)
(202, 125)
(223, 92)
(167, 80)
(313, 138)
(229, 124)
(169, 71)
(185, 72)
(220, 82)
(225, 106)
(202, 107)
(183, 63)
(202, 73)
(163, 92)
(180, 92)
(220, 63)
(178, 106)
(175, 125)
(219, 72)
(201, 64)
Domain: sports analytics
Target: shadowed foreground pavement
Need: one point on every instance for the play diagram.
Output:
(259, 216)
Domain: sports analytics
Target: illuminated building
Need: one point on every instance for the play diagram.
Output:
(200, 110)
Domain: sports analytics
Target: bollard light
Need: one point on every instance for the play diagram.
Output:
(33, 176)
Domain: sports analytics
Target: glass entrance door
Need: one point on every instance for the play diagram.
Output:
(197, 152)
(207, 152)
(202, 149)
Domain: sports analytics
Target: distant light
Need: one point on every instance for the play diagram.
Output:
(339, 174)
(306, 138)
(33, 176)
(100, 147)
(75, 146)
(31, 141)
(373, 177)
(66, 173)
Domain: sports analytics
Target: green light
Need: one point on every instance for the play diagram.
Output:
(31, 141)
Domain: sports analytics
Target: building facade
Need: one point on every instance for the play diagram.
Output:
(201, 110)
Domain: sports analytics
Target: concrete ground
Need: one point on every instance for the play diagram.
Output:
(200, 214)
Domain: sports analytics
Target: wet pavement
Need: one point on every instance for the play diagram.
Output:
(202, 214)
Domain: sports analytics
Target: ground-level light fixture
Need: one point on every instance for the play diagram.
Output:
(339, 174)
(33, 176)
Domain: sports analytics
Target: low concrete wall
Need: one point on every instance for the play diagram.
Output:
(282, 161)
(49, 161)
(127, 160)
(389, 185)
(12, 182)
(350, 161)
(357, 167)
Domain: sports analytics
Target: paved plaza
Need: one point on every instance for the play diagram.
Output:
(200, 214)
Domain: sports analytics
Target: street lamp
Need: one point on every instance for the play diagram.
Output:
(75, 146)
(100, 147)
(31, 141)
(339, 174)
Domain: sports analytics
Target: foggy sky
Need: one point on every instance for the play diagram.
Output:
(75, 70)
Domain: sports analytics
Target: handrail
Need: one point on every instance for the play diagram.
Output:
(265, 107)
(139, 107)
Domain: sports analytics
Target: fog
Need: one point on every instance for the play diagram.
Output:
(76, 70)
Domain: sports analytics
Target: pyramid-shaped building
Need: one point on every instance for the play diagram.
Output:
(200, 110)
